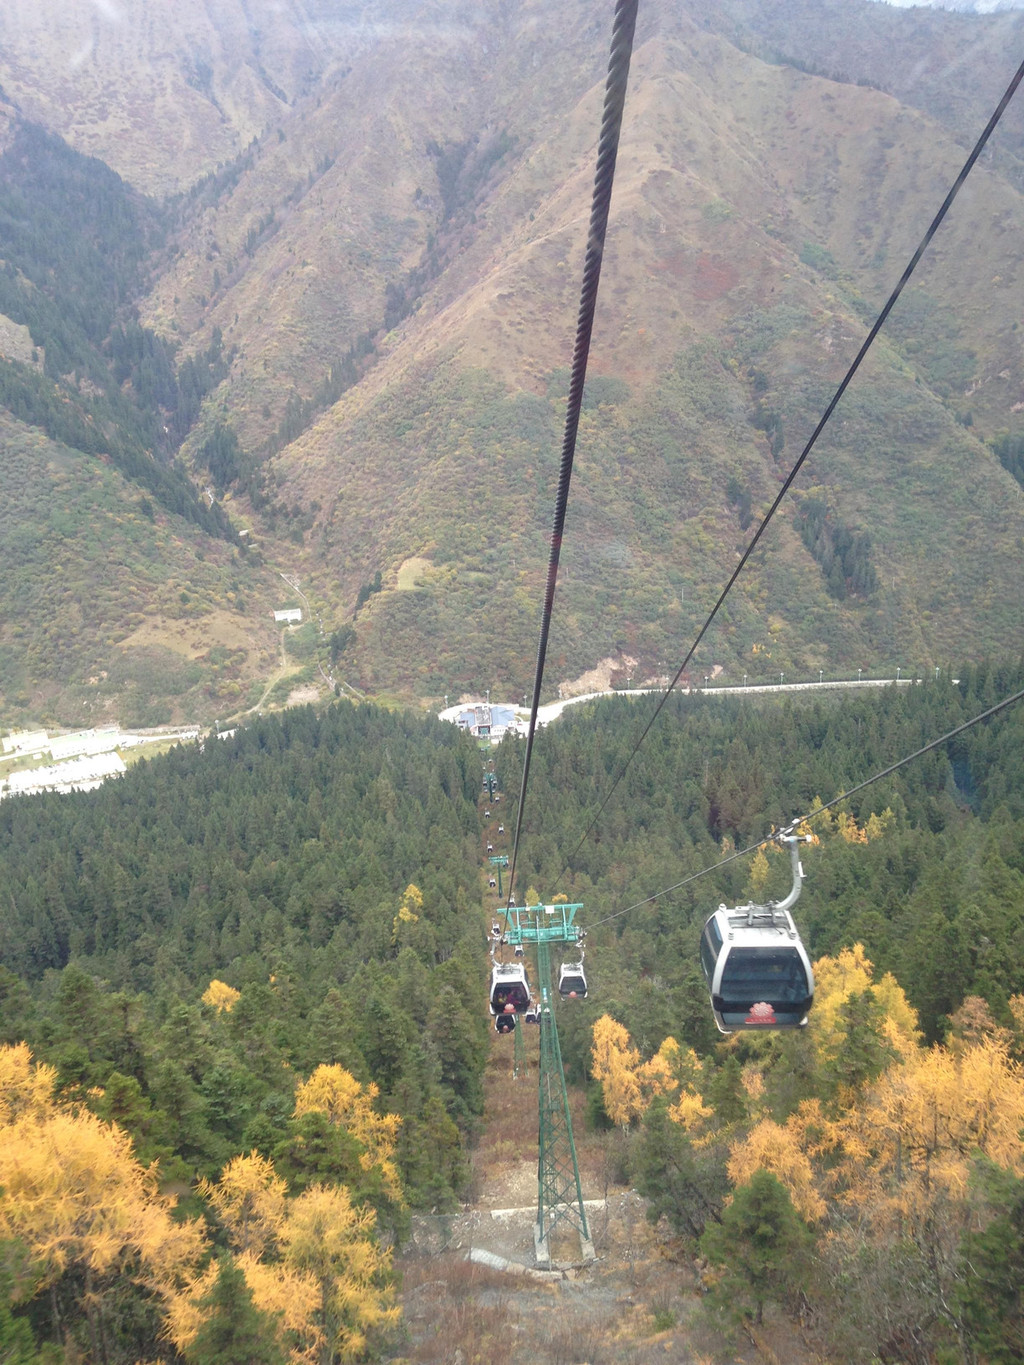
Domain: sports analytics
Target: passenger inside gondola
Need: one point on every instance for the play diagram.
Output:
(515, 993)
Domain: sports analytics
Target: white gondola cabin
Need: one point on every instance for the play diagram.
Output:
(757, 969)
(509, 986)
(572, 981)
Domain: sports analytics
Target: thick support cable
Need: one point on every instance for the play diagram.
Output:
(936, 222)
(820, 810)
(608, 147)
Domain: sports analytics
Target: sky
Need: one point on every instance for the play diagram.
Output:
(978, 6)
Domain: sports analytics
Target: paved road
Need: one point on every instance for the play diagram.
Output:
(552, 710)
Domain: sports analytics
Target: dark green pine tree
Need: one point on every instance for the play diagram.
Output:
(234, 1331)
(725, 1092)
(685, 1185)
(16, 1344)
(865, 1052)
(990, 1292)
(762, 1246)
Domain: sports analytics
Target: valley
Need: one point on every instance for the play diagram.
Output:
(287, 291)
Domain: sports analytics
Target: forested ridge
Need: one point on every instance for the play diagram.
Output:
(260, 963)
(314, 880)
(102, 384)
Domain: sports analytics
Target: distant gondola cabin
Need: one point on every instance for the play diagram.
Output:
(572, 983)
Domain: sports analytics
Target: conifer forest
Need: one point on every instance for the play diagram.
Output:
(244, 1027)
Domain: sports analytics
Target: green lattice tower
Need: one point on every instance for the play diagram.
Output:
(559, 1191)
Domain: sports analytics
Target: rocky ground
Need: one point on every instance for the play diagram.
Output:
(471, 1291)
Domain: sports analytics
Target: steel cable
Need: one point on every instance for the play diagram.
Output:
(854, 367)
(623, 28)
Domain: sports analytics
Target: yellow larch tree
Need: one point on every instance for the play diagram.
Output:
(615, 1064)
(923, 1120)
(335, 1092)
(879, 825)
(249, 1199)
(899, 1162)
(836, 980)
(184, 1314)
(220, 996)
(760, 876)
(774, 1148)
(409, 910)
(73, 1192)
(293, 1298)
(313, 1263)
(331, 1243)
(26, 1087)
(848, 829)
(1017, 1030)
(675, 1072)
(290, 1297)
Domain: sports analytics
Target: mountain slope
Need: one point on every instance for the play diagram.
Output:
(392, 269)
(752, 236)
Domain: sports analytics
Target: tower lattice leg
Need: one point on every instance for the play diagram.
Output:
(560, 1193)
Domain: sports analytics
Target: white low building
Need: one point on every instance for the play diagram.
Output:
(82, 742)
(26, 742)
(80, 774)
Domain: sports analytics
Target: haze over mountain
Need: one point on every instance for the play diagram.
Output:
(359, 300)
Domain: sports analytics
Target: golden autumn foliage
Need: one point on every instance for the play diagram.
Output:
(616, 1065)
(690, 1111)
(184, 1315)
(328, 1240)
(220, 996)
(848, 829)
(629, 1086)
(1017, 1030)
(850, 973)
(249, 1199)
(26, 1088)
(920, 1124)
(760, 875)
(408, 911)
(771, 1147)
(312, 1262)
(675, 1072)
(74, 1193)
(291, 1295)
(335, 1092)
(843, 824)
(672, 1069)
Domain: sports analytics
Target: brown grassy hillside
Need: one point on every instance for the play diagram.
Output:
(404, 191)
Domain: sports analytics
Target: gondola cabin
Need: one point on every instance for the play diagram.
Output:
(572, 983)
(509, 986)
(757, 969)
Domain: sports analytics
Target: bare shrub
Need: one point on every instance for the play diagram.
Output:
(578, 1341)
